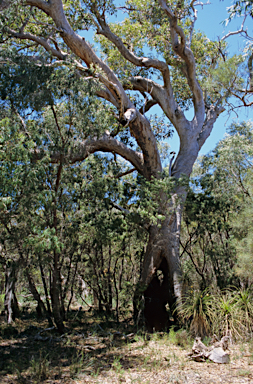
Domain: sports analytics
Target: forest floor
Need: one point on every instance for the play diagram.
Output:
(97, 351)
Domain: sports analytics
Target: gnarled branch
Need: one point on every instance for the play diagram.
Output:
(81, 150)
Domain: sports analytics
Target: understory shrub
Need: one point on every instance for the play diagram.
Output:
(226, 312)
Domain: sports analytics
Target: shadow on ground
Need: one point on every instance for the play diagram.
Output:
(31, 354)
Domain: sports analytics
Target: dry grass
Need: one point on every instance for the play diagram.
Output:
(92, 352)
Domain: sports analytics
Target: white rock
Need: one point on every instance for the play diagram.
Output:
(218, 355)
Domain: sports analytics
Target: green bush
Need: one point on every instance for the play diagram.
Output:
(194, 310)
(2, 302)
(226, 312)
(232, 313)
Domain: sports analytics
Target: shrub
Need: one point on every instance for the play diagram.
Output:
(195, 311)
(232, 313)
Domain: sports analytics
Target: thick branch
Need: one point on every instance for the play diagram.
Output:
(180, 48)
(139, 126)
(104, 144)
(82, 49)
(131, 57)
(126, 53)
(163, 98)
(211, 117)
(101, 90)
(144, 136)
(104, 93)
(39, 40)
(41, 4)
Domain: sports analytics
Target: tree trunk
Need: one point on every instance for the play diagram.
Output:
(45, 290)
(164, 243)
(10, 300)
(161, 278)
(55, 295)
(32, 287)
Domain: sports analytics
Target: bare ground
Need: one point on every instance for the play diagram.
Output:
(100, 352)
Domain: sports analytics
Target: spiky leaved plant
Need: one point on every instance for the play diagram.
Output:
(244, 300)
(228, 314)
(195, 311)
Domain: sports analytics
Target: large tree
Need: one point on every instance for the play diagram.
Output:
(153, 57)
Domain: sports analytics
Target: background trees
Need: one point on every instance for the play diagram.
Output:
(59, 223)
(217, 209)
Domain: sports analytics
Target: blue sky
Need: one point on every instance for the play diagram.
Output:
(209, 21)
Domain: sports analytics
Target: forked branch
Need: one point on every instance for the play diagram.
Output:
(178, 41)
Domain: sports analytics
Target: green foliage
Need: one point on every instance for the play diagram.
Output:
(70, 221)
(40, 368)
(245, 303)
(2, 302)
(207, 242)
(232, 313)
(181, 337)
(225, 312)
(68, 210)
(35, 93)
(224, 78)
(244, 244)
(216, 236)
(152, 198)
(194, 309)
(80, 364)
(147, 30)
(239, 8)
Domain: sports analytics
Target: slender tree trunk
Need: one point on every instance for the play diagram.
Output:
(62, 305)
(72, 286)
(109, 284)
(36, 295)
(45, 290)
(55, 295)
(10, 300)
